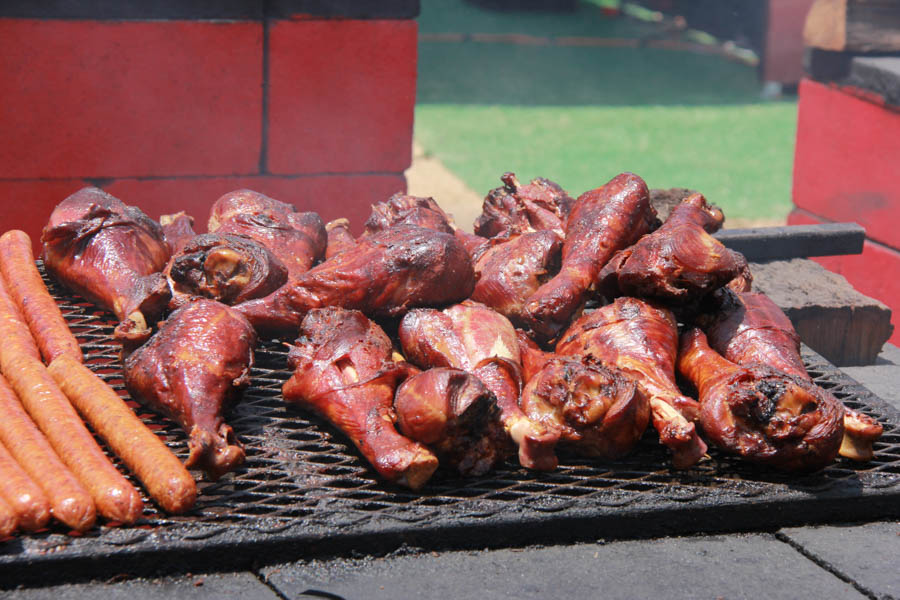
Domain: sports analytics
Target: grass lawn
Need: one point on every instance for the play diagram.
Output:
(579, 115)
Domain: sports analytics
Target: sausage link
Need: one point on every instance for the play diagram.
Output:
(8, 521)
(22, 494)
(70, 503)
(165, 478)
(28, 291)
(13, 324)
(115, 497)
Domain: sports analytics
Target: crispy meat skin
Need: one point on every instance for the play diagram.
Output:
(178, 229)
(223, 267)
(192, 370)
(111, 254)
(343, 370)
(749, 328)
(515, 208)
(598, 411)
(385, 274)
(679, 262)
(339, 237)
(760, 413)
(298, 239)
(509, 271)
(402, 209)
(456, 416)
(602, 222)
(472, 337)
(641, 339)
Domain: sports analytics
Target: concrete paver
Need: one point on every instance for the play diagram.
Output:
(733, 567)
(867, 554)
(245, 586)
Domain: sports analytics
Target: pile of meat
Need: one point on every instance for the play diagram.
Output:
(560, 324)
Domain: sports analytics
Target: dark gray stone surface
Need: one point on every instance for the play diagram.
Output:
(867, 554)
(883, 377)
(733, 567)
(244, 586)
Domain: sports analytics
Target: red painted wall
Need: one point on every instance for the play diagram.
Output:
(170, 114)
(847, 168)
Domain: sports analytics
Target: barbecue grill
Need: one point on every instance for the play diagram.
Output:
(305, 492)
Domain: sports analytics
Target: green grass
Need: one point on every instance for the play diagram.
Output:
(580, 115)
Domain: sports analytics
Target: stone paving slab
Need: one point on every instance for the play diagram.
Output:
(883, 377)
(244, 586)
(733, 567)
(868, 555)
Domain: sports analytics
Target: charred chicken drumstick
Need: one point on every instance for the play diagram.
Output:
(509, 271)
(679, 262)
(298, 239)
(227, 268)
(111, 254)
(515, 208)
(749, 328)
(456, 416)
(385, 274)
(192, 370)
(759, 413)
(597, 411)
(641, 339)
(343, 370)
(602, 222)
(480, 341)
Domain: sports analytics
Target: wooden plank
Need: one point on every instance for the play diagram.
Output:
(878, 75)
(853, 26)
(829, 314)
(795, 241)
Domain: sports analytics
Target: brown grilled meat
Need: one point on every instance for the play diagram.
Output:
(385, 274)
(597, 411)
(339, 237)
(298, 239)
(480, 341)
(178, 230)
(456, 416)
(759, 413)
(680, 262)
(227, 268)
(508, 272)
(515, 208)
(402, 209)
(111, 254)
(749, 328)
(641, 339)
(344, 371)
(192, 370)
(602, 222)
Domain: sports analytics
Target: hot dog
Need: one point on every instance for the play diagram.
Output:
(70, 503)
(163, 475)
(22, 494)
(7, 520)
(28, 291)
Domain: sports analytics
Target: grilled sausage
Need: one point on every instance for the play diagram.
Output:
(8, 521)
(163, 475)
(70, 503)
(27, 289)
(114, 496)
(22, 494)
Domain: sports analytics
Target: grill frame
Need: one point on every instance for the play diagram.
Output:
(305, 492)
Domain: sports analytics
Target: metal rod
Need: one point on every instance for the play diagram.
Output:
(794, 241)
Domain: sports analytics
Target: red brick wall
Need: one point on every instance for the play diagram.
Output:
(170, 114)
(847, 168)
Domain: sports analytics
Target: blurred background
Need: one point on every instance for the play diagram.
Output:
(579, 91)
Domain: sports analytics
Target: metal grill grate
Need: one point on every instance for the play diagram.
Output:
(305, 488)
